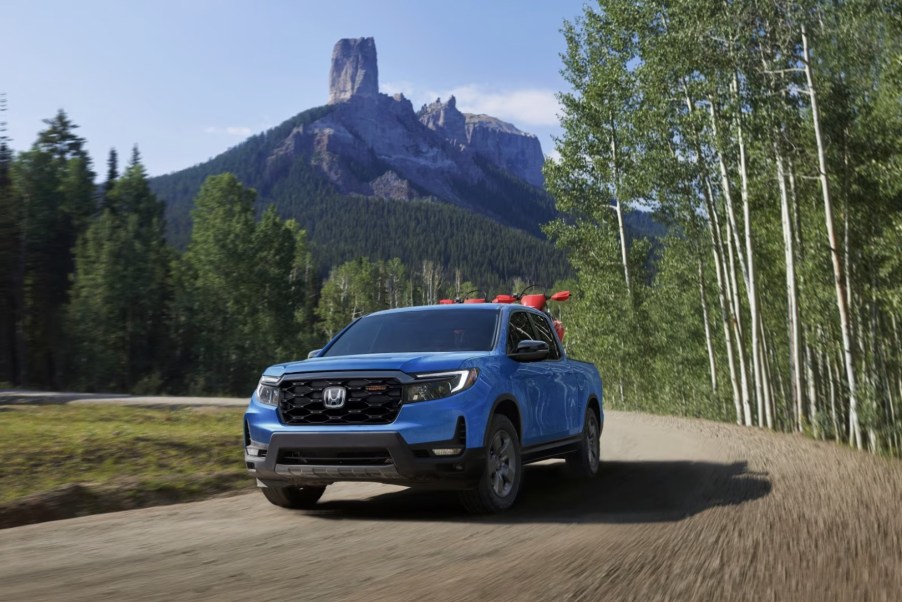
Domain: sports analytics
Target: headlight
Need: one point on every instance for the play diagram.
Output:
(268, 391)
(439, 384)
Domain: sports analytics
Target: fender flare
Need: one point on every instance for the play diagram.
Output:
(504, 398)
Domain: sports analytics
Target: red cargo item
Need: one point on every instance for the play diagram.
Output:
(536, 301)
(561, 296)
(504, 299)
(559, 328)
(474, 301)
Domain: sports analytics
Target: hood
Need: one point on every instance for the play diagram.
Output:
(411, 363)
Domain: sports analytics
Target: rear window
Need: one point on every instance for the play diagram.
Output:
(419, 331)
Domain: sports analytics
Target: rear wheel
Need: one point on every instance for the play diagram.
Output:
(586, 460)
(293, 497)
(500, 483)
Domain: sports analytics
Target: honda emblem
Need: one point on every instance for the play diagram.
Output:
(334, 397)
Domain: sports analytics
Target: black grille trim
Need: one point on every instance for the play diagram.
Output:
(460, 431)
(333, 457)
(369, 400)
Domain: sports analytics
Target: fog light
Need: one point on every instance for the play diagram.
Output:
(253, 450)
(446, 451)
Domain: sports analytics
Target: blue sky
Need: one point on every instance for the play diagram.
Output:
(187, 80)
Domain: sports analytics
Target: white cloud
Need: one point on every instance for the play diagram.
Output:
(526, 106)
(230, 130)
(521, 106)
(392, 88)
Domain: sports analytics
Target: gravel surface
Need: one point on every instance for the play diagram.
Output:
(683, 510)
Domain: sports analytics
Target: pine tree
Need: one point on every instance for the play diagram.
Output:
(54, 187)
(120, 289)
(10, 255)
(112, 174)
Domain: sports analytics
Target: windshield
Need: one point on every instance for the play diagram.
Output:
(419, 331)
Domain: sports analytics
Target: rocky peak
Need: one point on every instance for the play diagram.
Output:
(354, 71)
(445, 119)
(500, 142)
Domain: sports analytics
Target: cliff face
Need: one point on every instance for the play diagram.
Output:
(445, 119)
(364, 143)
(508, 148)
(355, 70)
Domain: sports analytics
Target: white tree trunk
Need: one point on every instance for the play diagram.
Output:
(712, 366)
(729, 320)
(800, 250)
(837, 432)
(841, 299)
(791, 292)
(723, 297)
(767, 384)
(619, 209)
(761, 387)
(733, 235)
(826, 371)
(812, 393)
(733, 290)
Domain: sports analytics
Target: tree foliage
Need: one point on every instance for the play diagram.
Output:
(53, 186)
(10, 241)
(120, 289)
(96, 299)
(741, 313)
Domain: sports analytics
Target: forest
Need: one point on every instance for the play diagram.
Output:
(95, 298)
(768, 137)
(765, 136)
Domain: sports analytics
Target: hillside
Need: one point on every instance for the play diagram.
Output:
(382, 228)
(367, 175)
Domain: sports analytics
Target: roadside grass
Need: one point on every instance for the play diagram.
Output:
(139, 456)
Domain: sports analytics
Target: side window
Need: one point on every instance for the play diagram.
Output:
(543, 329)
(518, 330)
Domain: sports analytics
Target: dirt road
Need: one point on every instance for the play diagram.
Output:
(683, 510)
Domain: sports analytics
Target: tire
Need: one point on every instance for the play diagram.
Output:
(293, 497)
(586, 460)
(500, 482)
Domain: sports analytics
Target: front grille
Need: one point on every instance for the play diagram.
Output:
(368, 401)
(331, 457)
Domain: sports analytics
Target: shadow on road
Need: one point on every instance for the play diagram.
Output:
(624, 492)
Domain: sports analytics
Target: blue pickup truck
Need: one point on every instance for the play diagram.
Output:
(454, 397)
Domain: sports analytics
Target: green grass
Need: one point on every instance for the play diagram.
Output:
(186, 452)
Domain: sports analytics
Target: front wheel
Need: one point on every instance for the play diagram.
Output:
(586, 460)
(500, 483)
(293, 497)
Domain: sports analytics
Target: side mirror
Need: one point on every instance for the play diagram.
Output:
(530, 351)
(314, 353)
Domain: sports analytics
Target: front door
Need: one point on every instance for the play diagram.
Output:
(536, 385)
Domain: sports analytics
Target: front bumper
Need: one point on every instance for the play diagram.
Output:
(315, 458)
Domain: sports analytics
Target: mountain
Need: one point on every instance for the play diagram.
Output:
(366, 174)
(432, 151)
